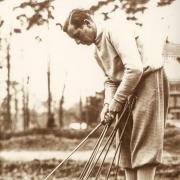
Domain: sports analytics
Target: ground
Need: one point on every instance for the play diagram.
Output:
(38, 167)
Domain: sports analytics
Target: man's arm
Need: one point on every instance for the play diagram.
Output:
(109, 86)
(123, 40)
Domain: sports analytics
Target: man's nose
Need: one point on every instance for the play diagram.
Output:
(77, 41)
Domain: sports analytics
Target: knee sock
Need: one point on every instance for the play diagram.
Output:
(131, 174)
(146, 173)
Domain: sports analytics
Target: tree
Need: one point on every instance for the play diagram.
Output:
(50, 120)
(9, 120)
(61, 102)
(14, 84)
(3, 115)
(93, 107)
(61, 111)
(42, 13)
(80, 110)
(131, 7)
(26, 114)
(39, 9)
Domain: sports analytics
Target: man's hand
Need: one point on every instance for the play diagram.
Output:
(109, 112)
(109, 117)
(104, 112)
(106, 116)
(115, 106)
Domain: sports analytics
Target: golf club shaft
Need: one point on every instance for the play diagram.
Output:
(75, 149)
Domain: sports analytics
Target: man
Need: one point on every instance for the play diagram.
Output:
(128, 65)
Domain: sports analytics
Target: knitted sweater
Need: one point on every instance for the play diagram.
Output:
(123, 58)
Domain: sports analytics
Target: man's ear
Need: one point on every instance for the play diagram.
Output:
(87, 22)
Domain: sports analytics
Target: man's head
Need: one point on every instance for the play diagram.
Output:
(80, 26)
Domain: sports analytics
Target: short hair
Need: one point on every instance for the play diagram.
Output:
(76, 17)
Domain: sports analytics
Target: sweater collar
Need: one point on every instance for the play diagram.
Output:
(99, 31)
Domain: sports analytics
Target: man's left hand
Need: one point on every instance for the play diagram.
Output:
(115, 106)
(109, 117)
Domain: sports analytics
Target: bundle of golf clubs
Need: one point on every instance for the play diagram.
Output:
(103, 144)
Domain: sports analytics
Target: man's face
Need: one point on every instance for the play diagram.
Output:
(84, 35)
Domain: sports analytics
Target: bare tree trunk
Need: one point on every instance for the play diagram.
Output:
(61, 112)
(50, 120)
(87, 111)
(15, 119)
(80, 110)
(16, 113)
(27, 111)
(61, 102)
(49, 92)
(26, 114)
(24, 107)
(9, 121)
(16, 109)
(27, 104)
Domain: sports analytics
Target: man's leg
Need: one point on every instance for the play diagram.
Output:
(146, 173)
(131, 174)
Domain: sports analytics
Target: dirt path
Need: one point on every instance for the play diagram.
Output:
(35, 165)
(45, 155)
(60, 155)
(39, 169)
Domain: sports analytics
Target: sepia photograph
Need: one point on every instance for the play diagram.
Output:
(89, 90)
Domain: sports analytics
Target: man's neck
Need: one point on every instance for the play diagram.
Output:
(98, 26)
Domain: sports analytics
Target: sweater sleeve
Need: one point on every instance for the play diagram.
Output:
(110, 90)
(109, 86)
(123, 40)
